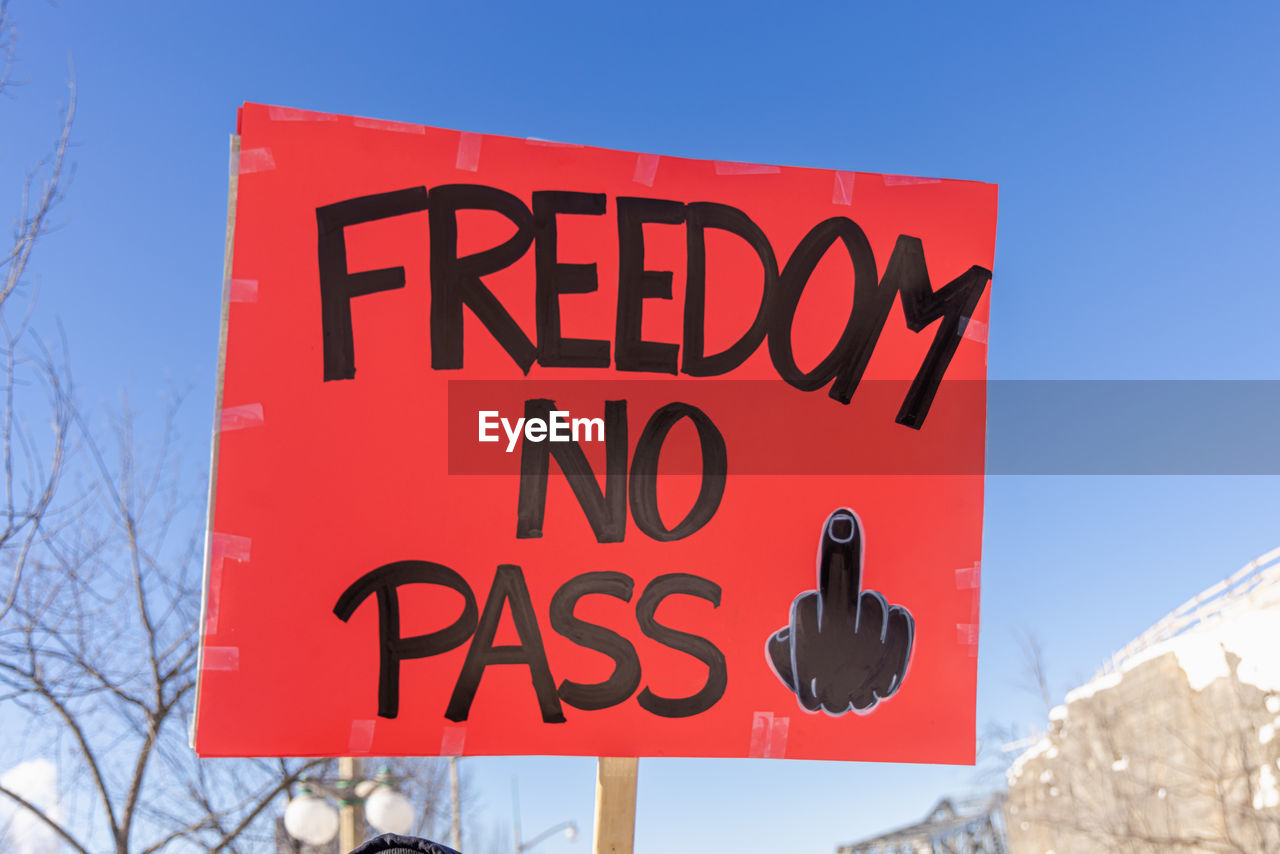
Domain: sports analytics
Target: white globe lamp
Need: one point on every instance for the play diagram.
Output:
(310, 819)
(389, 811)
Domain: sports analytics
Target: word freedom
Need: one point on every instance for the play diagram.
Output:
(557, 427)
(457, 284)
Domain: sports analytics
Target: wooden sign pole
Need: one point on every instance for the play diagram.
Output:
(615, 826)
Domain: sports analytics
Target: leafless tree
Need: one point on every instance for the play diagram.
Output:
(425, 782)
(101, 550)
(1035, 673)
(99, 589)
(99, 651)
(32, 462)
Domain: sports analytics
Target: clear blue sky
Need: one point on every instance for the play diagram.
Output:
(1136, 150)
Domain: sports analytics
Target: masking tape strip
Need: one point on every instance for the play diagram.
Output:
(551, 143)
(970, 578)
(222, 547)
(967, 633)
(974, 330)
(240, 417)
(383, 124)
(256, 160)
(288, 114)
(646, 169)
(244, 290)
(226, 658)
(725, 167)
(842, 194)
(452, 740)
(469, 151)
(761, 733)
(231, 546)
(769, 736)
(778, 738)
(361, 740)
(908, 180)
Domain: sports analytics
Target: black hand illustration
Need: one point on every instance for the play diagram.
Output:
(846, 648)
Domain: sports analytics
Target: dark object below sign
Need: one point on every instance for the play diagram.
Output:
(389, 843)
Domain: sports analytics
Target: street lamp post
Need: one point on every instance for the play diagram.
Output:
(569, 829)
(349, 817)
(311, 817)
(519, 846)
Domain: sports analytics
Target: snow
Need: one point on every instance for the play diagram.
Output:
(1202, 661)
(1251, 636)
(1268, 795)
(1040, 748)
(1087, 690)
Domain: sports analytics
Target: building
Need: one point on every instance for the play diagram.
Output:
(1171, 747)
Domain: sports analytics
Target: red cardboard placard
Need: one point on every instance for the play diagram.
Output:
(765, 540)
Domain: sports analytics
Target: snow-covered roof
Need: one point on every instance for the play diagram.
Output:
(1240, 614)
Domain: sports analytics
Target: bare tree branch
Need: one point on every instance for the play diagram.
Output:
(27, 503)
(101, 568)
(44, 817)
(1034, 672)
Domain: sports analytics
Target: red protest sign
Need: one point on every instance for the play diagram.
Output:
(529, 448)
